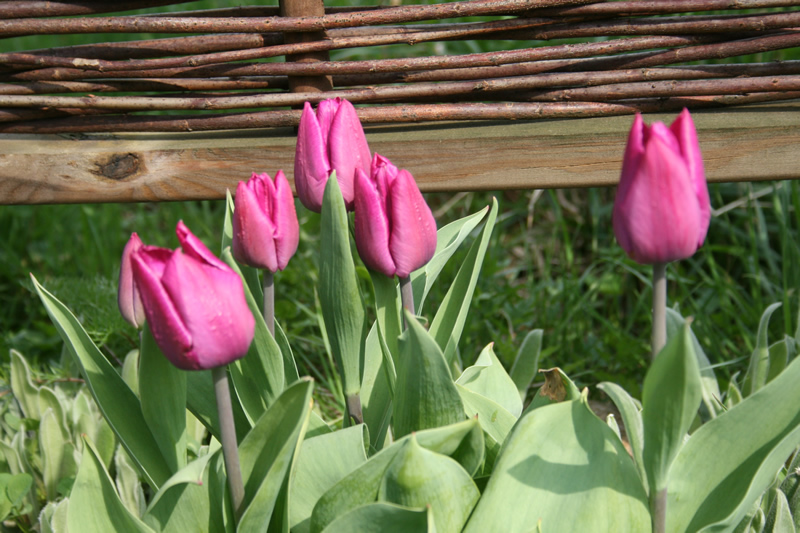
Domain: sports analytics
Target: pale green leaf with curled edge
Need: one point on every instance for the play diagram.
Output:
(162, 394)
(488, 378)
(94, 505)
(565, 468)
(448, 239)
(339, 296)
(425, 395)
(526, 363)
(731, 460)
(557, 387)
(758, 369)
(630, 411)
(463, 442)
(116, 400)
(448, 323)
(22, 387)
(267, 453)
(323, 461)
(417, 477)
(383, 518)
(670, 399)
(493, 418)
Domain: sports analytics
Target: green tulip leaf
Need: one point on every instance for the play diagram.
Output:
(162, 393)
(53, 518)
(630, 411)
(53, 445)
(460, 441)
(116, 400)
(670, 399)
(339, 294)
(257, 377)
(130, 370)
(448, 239)
(13, 489)
(201, 401)
(526, 364)
(493, 418)
(731, 460)
(558, 387)
(448, 324)
(383, 518)
(758, 369)
(387, 310)
(780, 354)
(425, 395)
(562, 469)
(22, 386)
(267, 453)
(376, 390)
(419, 478)
(779, 518)
(323, 461)
(94, 505)
(488, 378)
(290, 374)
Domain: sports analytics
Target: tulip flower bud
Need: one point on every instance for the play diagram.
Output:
(662, 210)
(128, 299)
(395, 230)
(265, 228)
(194, 303)
(330, 139)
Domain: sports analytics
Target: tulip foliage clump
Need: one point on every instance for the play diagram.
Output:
(210, 428)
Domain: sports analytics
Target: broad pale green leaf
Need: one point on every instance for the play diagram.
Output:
(200, 400)
(448, 239)
(53, 518)
(323, 461)
(127, 483)
(130, 370)
(290, 374)
(339, 296)
(672, 394)
(116, 400)
(22, 387)
(387, 310)
(92, 487)
(711, 392)
(53, 444)
(526, 364)
(779, 519)
(630, 411)
(758, 370)
(460, 441)
(488, 378)
(48, 399)
(13, 489)
(257, 377)
(162, 393)
(493, 418)
(383, 518)
(267, 452)
(780, 354)
(448, 324)
(562, 469)
(425, 395)
(418, 478)
(376, 391)
(731, 460)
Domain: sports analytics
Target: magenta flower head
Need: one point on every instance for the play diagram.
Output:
(662, 210)
(130, 303)
(194, 303)
(330, 139)
(265, 228)
(395, 230)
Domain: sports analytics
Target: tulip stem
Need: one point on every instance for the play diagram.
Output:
(407, 296)
(660, 511)
(227, 428)
(659, 307)
(269, 300)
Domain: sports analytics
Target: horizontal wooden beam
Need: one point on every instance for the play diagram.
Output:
(752, 143)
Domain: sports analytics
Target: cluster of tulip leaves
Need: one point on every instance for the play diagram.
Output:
(440, 448)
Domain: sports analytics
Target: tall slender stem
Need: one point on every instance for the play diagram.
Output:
(269, 300)
(227, 428)
(659, 307)
(660, 511)
(407, 296)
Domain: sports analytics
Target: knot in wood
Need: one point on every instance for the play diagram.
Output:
(119, 166)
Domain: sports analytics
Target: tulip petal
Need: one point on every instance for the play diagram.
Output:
(284, 215)
(194, 247)
(684, 130)
(311, 165)
(212, 305)
(348, 149)
(372, 226)
(413, 237)
(253, 231)
(128, 298)
(162, 317)
(634, 150)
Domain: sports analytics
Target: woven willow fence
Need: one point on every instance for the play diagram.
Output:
(228, 71)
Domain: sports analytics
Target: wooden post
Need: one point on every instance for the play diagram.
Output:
(306, 8)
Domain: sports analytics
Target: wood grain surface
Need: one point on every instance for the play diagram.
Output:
(743, 144)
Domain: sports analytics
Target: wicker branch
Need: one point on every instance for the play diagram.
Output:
(43, 8)
(659, 7)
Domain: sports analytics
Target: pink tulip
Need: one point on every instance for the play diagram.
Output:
(662, 210)
(265, 227)
(395, 230)
(128, 299)
(330, 139)
(194, 304)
